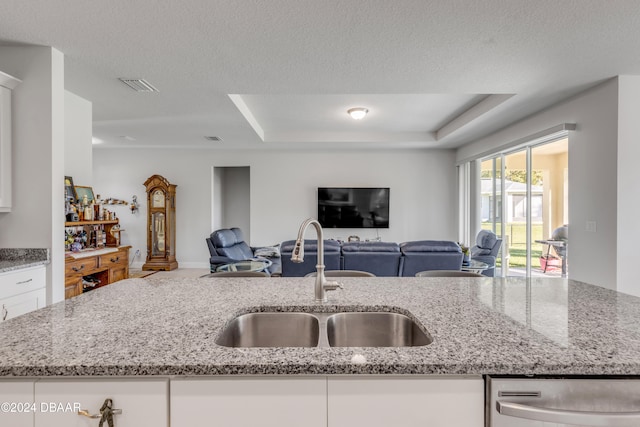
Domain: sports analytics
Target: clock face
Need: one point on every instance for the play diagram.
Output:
(157, 199)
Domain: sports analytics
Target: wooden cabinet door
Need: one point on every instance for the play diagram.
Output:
(143, 402)
(249, 402)
(16, 398)
(405, 402)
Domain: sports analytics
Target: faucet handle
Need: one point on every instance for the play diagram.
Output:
(332, 285)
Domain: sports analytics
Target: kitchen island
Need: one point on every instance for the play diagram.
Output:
(478, 326)
(156, 328)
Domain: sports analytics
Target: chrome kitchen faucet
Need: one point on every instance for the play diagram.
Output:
(322, 285)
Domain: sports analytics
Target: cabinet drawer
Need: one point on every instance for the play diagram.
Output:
(20, 304)
(81, 267)
(21, 281)
(113, 259)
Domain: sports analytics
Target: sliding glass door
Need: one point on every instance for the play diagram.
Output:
(523, 200)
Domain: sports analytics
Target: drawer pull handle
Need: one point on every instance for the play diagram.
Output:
(563, 416)
(106, 413)
(116, 259)
(76, 269)
(24, 281)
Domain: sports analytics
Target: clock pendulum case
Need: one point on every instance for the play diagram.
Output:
(161, 224)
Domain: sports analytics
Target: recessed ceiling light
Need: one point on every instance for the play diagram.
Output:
(357, 113)
(95, 140)
(127, 137)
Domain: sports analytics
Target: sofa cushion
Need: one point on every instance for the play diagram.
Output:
(486, 239)
(310, 246)
(430, 246)
(370, 247)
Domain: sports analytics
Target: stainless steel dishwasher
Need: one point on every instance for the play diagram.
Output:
(546, 402)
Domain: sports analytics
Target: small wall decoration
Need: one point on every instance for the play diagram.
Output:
(69, 190)
(82, 191)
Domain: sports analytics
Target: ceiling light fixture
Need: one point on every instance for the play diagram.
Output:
(357, 113)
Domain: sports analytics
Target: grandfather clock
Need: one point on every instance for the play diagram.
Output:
(161, 224)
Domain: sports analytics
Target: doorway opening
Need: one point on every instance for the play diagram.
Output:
(231, 201)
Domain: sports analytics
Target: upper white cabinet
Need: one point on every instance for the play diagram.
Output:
(7, 83)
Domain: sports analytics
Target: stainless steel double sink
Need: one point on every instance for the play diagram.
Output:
(345, 329)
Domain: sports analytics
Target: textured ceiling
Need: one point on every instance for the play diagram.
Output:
(445, 71)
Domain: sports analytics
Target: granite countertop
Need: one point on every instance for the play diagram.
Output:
(163, 326)
(16, 259)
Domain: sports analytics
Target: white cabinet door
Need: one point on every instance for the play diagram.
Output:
(21, 304)
(22, 291)
(405, 402)
(16, 403)
(249, 402)
(143, 402)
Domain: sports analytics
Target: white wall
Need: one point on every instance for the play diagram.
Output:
(283, 191)
(37, 217)
(78, 132)
(628, 210)
(593, 157)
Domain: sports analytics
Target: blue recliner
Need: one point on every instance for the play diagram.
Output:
(227, 245)
(486, 250)
(423, 255)
(332, 258)
(379, 258)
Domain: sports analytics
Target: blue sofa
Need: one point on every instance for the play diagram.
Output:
(426, 255)
(380, 258)
(332, 257)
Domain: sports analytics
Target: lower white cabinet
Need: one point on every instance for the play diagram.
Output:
(16, 398)
(405, 402)
(143, 402)
(22, 291)
(329, 401)
(249, 402)
(267, 401)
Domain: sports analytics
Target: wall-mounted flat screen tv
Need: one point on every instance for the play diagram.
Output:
(353, 207)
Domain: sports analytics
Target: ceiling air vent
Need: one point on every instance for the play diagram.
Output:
(213, 138)
(139, 85)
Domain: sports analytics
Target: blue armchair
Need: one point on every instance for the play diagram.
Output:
(228, 245)
(486, 250)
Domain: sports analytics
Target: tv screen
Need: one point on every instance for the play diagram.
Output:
(353, 207)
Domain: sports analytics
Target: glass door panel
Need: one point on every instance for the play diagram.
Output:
(491, 200)
(549, 210)
(515, 237)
